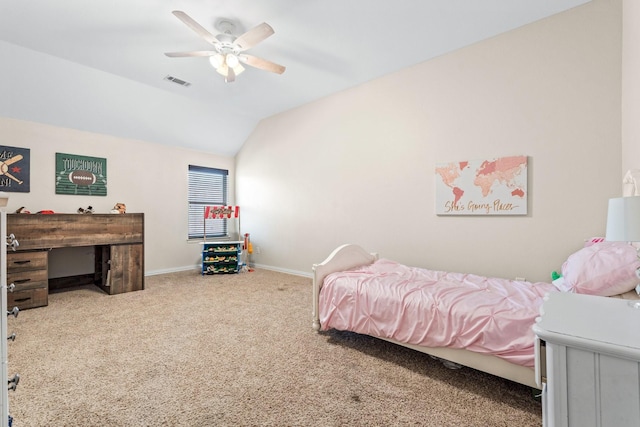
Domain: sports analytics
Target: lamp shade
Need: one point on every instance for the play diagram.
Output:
(623, 219)
(231, 60)
(216, 60)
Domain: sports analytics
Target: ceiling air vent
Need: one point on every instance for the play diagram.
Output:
(177, 81)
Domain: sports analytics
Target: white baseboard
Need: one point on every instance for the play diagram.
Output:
(284, 270)
(172, 270)
(260, 266)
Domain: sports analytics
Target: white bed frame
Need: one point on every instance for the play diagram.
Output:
(350, 256)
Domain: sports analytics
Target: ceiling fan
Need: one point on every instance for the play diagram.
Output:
(227, 58)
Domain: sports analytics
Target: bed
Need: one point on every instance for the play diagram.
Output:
(479, 322)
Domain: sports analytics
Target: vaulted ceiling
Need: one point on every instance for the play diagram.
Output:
(326, 45)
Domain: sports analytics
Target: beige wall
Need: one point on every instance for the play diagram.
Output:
(147, 177)
(358, 166)
(631, 86)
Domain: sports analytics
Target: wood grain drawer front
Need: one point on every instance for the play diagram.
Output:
(28, 279)
(30, 298)
(26, 261)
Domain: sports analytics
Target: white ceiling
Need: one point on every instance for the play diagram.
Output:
(326, 45)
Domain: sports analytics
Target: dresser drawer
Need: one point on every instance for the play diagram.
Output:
(26, 261)
(28, 279)
(29, 298)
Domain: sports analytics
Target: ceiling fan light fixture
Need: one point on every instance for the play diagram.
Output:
(224, 69)
(232, 60)
(227, 57)
(217, 60)
(238, 69)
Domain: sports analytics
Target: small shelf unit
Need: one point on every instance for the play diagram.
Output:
(221, 257)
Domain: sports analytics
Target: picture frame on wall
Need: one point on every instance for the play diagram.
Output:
(495, 186)
(81, 175)
(15, 169)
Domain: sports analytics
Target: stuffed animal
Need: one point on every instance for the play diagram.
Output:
(89, 210)
(119, 208)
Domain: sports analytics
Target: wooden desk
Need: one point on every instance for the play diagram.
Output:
(119, 252)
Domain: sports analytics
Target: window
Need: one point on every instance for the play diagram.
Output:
(207, 186)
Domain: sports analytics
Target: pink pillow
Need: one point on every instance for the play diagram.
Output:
(604, 268)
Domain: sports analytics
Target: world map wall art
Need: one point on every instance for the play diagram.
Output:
(482, 187)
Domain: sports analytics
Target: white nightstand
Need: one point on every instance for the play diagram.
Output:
(592, 361)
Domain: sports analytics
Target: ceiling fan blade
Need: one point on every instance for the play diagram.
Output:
(231, 75)
(199, 29)
(262, 64)
(189, 54)
(253, 36)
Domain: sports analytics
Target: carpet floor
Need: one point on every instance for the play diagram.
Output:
(232, 350)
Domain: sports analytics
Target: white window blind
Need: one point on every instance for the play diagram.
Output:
(207, 186)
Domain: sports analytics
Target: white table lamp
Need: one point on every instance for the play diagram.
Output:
(623, 225)
(623, 219)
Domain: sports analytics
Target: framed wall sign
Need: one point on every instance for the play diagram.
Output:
(81, 175)
(482, 187)
(15, 169)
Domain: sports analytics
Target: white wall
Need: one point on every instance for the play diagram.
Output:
(147, 177)
(631, 86)
(358, 166)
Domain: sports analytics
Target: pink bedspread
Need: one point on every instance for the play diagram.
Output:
(435, 309)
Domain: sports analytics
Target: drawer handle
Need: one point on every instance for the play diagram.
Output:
(21, 299)
(12, 242)
(19, 281)
(26, 261)
(13, 382)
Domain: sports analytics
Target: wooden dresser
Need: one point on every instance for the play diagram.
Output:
(27, 270)
(119, 253)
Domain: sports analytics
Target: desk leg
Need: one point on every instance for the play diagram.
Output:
(102, 257)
